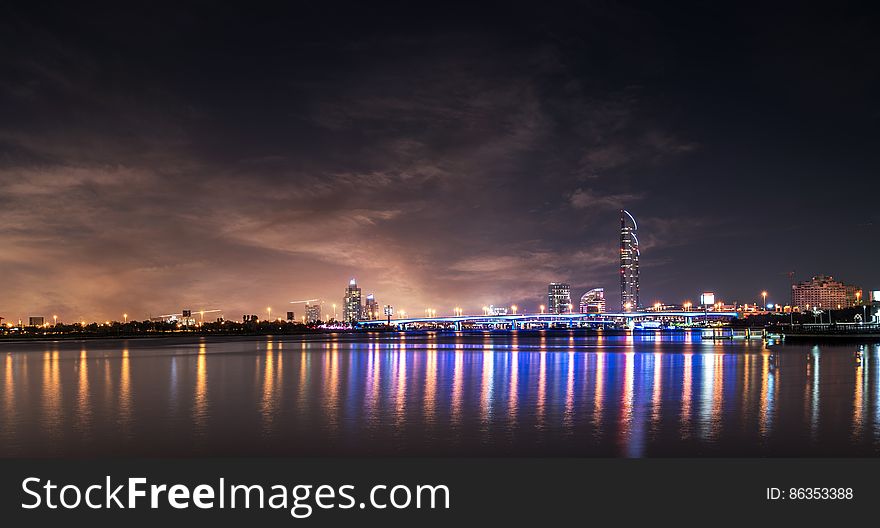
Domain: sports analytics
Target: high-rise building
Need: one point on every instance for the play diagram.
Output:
(290, 316)
(824, 292)
(558, 297)
(593, 301)
(629, 262)
(371, 309)
(352, 310)
(313, 313)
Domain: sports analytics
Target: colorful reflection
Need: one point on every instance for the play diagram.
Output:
(540, 394)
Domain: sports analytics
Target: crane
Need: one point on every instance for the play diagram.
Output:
(200, 312)
(307, 301)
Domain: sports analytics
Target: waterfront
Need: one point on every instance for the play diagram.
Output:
(520, 394)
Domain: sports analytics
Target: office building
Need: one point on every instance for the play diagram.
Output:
(629, 262)
(313, 313)
(36, 321)
(352, 309)
(559, 298)
(593, 301)
(371, 309)
(824, 292)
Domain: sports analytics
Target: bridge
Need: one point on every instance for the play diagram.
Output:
(548, 320)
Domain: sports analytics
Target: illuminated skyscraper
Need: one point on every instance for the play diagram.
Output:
(371, 308)
(593, 301)
(629, 262)
(313, 313)
(558, 297)
(351, 303)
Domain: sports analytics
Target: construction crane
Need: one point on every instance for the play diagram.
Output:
(200, 312)
(307, 301)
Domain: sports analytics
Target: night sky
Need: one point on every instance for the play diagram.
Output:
(158, 157)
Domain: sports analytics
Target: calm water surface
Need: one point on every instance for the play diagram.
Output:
(438, 394)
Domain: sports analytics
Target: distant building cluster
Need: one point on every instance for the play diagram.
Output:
(355, 309)
(824, 292)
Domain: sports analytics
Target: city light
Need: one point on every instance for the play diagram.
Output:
(513, 309)
(542, 308)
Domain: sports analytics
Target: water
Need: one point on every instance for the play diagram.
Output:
(438, 394)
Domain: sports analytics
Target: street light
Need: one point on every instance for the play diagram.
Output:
(542, 308)
(687, 306)
(859, 301)
(513, 308)
(55, 317)
(269, 312)
(125, 318)
(764, 297)
(657, 306)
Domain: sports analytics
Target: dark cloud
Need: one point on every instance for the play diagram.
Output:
(208, 157)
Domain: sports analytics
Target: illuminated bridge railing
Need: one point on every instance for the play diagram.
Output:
(603, 318)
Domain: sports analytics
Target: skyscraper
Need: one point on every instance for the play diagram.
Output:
(558, 297)
(593, 301)
(313, 313)
(371, 308)
(351, 303)
(629, 262)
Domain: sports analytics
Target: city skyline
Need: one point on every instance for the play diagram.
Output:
(559, 298)
(464, 159)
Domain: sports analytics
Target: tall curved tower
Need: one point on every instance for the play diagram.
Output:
(629, 262)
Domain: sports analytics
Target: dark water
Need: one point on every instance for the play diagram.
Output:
(439, 394)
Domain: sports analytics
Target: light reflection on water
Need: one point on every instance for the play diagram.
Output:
(534, 394)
